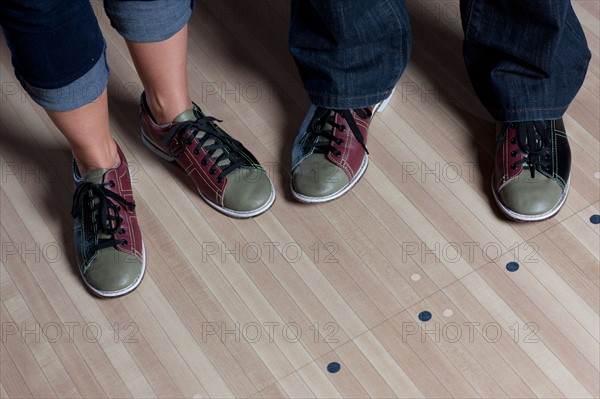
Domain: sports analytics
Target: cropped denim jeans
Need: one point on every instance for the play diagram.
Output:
(58, 52)
(527, 59)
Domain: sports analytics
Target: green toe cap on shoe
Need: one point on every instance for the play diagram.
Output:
(316, 176)
(113, 271)
(528, 196)
(248, 189)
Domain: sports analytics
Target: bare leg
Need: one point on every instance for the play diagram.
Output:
(88, 133)
(162, 69)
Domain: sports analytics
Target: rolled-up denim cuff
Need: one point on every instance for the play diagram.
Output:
(148, 21)
(80, 92)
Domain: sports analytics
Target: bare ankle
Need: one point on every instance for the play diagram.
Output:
(108, 159)
(165, 110)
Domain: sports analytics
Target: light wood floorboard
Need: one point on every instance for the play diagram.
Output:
(259, 308)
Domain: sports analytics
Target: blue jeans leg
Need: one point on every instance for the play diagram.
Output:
(52, 42)
(350, 53)
(527, 59)
(58, 50)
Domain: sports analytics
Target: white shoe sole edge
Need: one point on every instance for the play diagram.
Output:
(531, 218)
(380, 107)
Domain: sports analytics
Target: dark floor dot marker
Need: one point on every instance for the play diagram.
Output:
(512, 266)
(425, 316)
(333, 367)
(595, 219)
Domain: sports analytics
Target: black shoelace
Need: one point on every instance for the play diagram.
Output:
(534, 140)
(107, 216)
(318, 129)
(187, 132)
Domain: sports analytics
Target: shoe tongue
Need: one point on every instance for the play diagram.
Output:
(186, 116)
(95, 176)
(326, 126)
(194, 114)
(538, 143)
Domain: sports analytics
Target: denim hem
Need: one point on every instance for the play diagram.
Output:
(149, 22)
(343, 102)
(529, 114)
(82, 91)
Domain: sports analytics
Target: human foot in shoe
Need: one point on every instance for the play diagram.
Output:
(227, 175)
(108, 241)
(330, 152)
(532, 169)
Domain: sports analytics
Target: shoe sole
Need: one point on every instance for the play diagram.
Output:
(226, 211)
(384, 104)
(518, 217)
(121, 292)
(361, 171)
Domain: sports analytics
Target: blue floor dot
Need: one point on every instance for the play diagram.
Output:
(595, 219)
(512, 266)
(333, 367)
(425, 316)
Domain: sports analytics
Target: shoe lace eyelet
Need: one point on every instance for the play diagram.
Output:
(121, 231)
(212, 171)
(112, 183)
(513, 140)
(513, 166)
(124, 242)
(219, 180)
(337, 153)
(513, 154)
(203, 162)
(196, 152)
